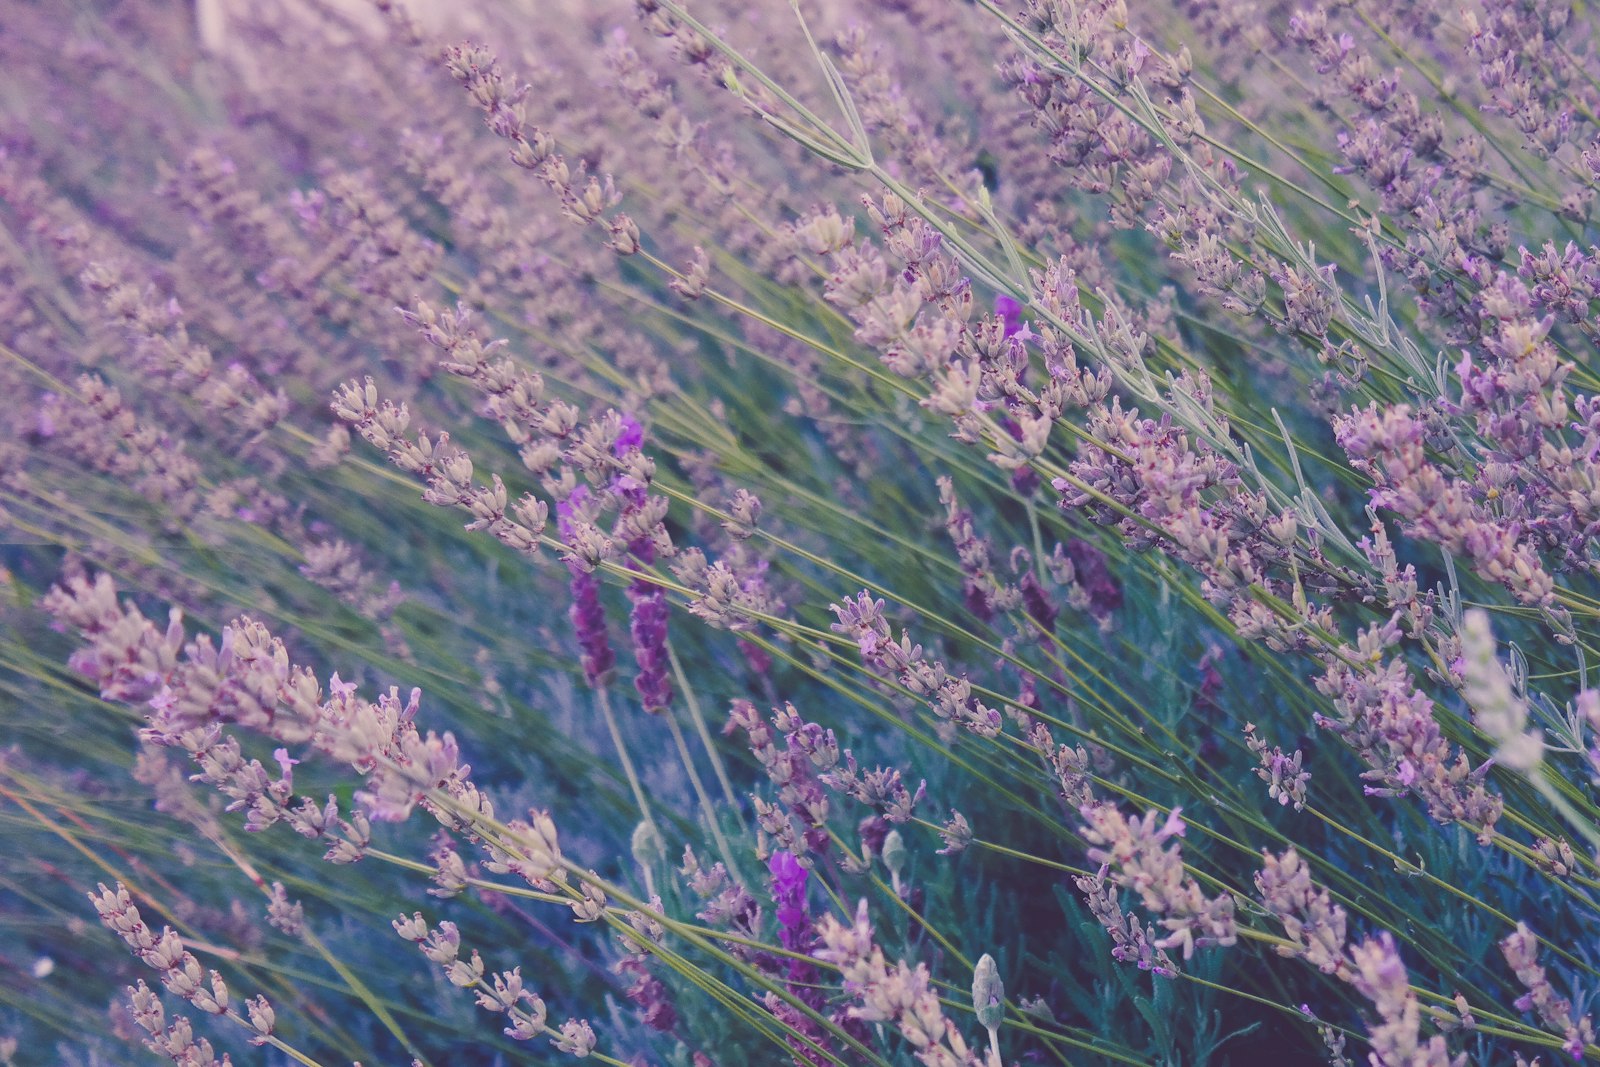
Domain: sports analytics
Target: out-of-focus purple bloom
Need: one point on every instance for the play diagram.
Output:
(587, 613)
(648, 628)
(1010, 312)
(789, 895)
(631, 438)
(1037, 603)
(1094, 575)
(795, 933)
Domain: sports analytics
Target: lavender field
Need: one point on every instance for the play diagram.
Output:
(973, 533)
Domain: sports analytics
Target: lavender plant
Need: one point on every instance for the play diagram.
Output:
(820, 532)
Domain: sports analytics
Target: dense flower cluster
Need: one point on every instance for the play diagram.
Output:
(1161, 437)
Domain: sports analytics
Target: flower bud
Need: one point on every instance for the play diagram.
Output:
(649, 851)
(988, 993)
(894, 854)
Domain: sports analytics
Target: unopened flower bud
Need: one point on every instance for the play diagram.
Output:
(894, 854)
(649, 851)
(988, 993)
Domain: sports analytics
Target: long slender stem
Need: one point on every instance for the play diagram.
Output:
(696, 716)
(603, 699)
(708, 812)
